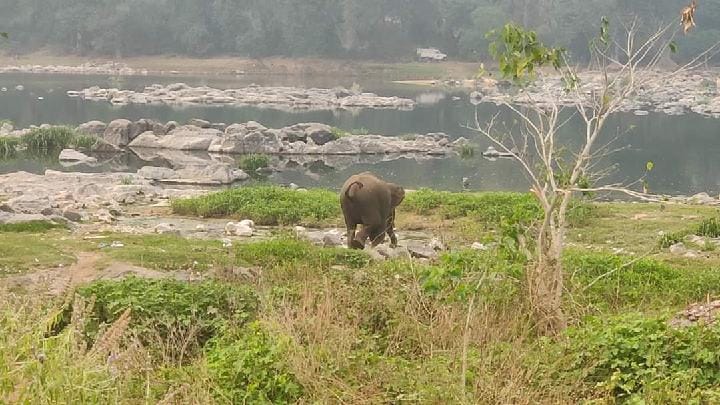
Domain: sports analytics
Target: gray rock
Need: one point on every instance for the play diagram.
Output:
(332, 239)
(678, 249)
(118, 132)
(320, 133)
(102, 146)
(166, 229)
(220, 126)
(157, 173)
(140, 126)
(71, 155)
(72, 215)
(95, 128)
(200, 123)
(422, 252)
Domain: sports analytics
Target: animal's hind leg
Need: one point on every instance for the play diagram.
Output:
(351, 243)
(391, 231)
(377, 234)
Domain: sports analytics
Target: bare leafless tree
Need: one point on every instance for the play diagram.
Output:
(558, 171)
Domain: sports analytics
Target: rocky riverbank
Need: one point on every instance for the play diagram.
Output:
(696, 91)
(291, 98)
(89, 68)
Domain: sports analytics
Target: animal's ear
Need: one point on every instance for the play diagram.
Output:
(397, 195)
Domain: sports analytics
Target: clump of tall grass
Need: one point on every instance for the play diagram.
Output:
(43, 140)
(8, 146)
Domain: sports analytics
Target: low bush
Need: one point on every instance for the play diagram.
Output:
(251, 163)
(634, 359)
(249, 367)
(266, 205)
(168, 309)
(605, 281)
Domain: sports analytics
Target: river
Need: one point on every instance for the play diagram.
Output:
(683, 148)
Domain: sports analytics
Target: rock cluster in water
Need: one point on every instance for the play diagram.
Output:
(695, 91)
(108, 68)
(293, 98)
(252, 137)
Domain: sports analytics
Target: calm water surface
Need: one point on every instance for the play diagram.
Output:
(685, 149)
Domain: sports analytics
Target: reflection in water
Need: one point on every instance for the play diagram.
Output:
(683, 148)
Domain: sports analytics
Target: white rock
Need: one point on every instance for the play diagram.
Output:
(237, 229)
(248, 222)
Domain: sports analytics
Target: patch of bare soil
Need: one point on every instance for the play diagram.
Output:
(88, 268)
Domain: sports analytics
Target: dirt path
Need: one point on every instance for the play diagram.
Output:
(88, 268)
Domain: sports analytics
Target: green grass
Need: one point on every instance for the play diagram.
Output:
(287, 251)
(266, 205)
(339, 133)
(31, 226)
(22, 251)
(167, 252)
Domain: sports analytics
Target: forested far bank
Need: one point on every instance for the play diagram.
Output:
(370, 29)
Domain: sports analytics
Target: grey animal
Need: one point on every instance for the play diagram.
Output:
(370, 201)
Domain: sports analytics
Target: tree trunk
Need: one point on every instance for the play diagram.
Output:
(545, 277)
(545, 282)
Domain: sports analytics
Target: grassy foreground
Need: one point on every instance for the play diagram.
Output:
(283, 321)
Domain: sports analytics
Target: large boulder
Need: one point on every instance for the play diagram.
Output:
(320, 133)
(211, 174)
(267, 141)
(96, 128)
(183, 138)
(118, 132)
(140, 126)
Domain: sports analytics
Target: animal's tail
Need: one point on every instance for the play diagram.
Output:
(352, 189)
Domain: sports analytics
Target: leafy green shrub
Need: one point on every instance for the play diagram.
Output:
(31, 227)
(338, 133)
(8, 146)
(249, 367)
(633, 359)
(617, 283)
(160, 308)
(266, 205)
(251, 163)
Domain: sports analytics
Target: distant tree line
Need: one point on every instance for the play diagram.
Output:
(377, 29)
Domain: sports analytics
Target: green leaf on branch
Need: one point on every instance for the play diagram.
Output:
(519, 53)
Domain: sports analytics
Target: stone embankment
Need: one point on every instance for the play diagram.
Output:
(291, 98)
(694, 91)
